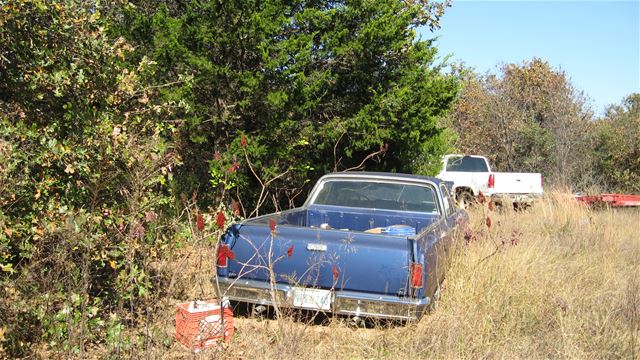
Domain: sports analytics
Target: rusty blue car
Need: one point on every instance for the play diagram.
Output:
(363, 245)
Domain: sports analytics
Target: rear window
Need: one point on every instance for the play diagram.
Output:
(378, 195)
(467, 164)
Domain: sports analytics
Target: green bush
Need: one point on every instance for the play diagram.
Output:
(119, 120)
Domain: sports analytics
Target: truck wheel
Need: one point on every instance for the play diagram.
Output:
(258, 311)
(435, 298)
(465, 200)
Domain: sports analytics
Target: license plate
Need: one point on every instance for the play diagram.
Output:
(312, 298)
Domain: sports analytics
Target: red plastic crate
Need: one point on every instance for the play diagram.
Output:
(203, 323)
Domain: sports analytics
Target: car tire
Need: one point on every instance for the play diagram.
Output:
(465, 200)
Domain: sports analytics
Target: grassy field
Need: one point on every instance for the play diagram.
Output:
(556, 281)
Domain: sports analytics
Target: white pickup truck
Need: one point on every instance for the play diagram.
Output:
(471, 174)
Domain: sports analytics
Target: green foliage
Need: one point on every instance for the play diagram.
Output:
(117, 118)
(528, 117)
(616, 146)
(120, 120)
(84, 173)
(314, 87)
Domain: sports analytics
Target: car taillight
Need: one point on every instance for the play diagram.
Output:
(416, 275)
(492, 180)
(224, 253)
(541, 181)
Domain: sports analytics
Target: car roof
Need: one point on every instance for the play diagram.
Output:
(389, 175)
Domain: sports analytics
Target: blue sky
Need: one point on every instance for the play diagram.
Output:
(597, 43)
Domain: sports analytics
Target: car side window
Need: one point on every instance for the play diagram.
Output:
(447, 200)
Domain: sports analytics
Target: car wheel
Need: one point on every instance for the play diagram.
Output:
(465, 200)
(435, 299)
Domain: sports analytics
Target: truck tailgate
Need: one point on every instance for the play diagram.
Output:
(327, 259)
(518, 183)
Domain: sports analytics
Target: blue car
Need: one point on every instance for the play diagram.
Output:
(365, 245)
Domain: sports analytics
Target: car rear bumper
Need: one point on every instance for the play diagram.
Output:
(348, 303)
(516, 198)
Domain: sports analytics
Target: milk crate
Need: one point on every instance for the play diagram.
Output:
(201, 324)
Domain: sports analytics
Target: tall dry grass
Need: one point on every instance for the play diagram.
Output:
(556, 281)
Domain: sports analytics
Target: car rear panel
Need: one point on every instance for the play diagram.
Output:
(326, 259)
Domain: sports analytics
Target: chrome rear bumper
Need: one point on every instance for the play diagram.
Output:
(516, 198)
(348, 303)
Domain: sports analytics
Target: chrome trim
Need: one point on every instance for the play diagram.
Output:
(344, 302)
(516, 197)
(528, 195)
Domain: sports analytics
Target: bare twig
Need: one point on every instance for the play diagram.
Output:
(264, 185)
(336, 161)
(382, 150)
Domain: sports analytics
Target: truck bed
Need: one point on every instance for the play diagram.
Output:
(344, 218)
(517, 184)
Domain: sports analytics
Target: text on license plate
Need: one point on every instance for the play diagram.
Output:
(312, 298)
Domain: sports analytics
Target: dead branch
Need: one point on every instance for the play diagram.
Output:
(383, 149)
(336, 161)
(264, 185)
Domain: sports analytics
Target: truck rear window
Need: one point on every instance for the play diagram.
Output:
(378, 195)
(467, 164)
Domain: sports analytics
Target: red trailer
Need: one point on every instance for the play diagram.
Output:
(611, 200)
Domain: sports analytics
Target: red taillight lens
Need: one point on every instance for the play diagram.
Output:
(224, 253)
(222, 260)
(416, 275)
(541, 181)
(492, 180)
